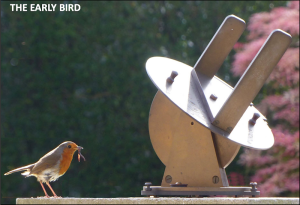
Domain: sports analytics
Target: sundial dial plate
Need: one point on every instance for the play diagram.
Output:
(183, 93)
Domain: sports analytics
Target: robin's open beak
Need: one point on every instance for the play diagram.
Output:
(79, 153)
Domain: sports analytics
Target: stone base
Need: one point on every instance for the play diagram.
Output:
(160, 200)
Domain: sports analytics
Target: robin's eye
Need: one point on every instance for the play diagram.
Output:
(69, 146)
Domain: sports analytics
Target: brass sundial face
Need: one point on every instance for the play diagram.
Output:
(162, 127)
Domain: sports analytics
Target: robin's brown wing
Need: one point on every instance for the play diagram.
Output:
(47, 161)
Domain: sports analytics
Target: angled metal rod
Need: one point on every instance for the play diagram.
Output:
(252, 80)
(220, 45)
(215, 53)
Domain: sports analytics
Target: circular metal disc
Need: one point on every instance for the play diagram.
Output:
(183, 93)
(163, 120)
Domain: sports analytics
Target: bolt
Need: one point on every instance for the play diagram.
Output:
(192, 123)
(254, 118)
(213, 97)
(253, 189)
(215, 179)
(148, 184)
(229, 129)
(253, 185)
(251, 104)
(168, 178)
(172, 77)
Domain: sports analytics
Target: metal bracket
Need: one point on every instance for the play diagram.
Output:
(201, 191)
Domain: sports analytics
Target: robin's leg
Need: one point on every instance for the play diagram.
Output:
(51, 189)
(44, 189)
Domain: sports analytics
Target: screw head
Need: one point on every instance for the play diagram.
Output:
(215, 179)
(216, 122)
(229, 129)
(213, 97)
(168, 178)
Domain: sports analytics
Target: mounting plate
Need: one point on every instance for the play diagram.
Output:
(185, 191)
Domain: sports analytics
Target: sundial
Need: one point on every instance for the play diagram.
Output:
(197, 122)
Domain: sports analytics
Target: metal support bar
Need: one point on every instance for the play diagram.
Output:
(220, 45)
(252, 80)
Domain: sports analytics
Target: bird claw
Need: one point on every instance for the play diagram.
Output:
(48, 197)
(43, 197)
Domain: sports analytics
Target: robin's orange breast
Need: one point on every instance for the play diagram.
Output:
(65, 161)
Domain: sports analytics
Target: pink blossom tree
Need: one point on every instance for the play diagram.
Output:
(276, 169)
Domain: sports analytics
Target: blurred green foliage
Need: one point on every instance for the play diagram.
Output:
(81, 76)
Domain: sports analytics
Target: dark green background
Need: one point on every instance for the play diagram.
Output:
(81, 76)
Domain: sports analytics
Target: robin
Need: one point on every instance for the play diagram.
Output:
(52, 165)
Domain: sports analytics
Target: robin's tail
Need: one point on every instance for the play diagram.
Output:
(28, 168)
